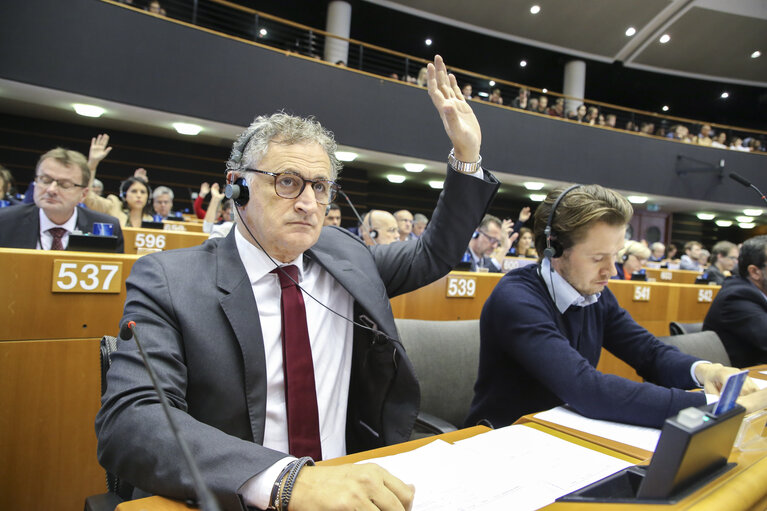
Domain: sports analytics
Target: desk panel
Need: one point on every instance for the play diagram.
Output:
(29, 310)
(136, 238)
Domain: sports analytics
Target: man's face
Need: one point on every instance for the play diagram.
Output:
(589, 264)
(489, 238)
(333, 217)
(386, 225)
(404, 222)
(418, 228)
(163, 204)
(286, 228)
(694, 252)
(705, 130)
(658, 251)
(59, 203)
(543, 102)
(729, 261)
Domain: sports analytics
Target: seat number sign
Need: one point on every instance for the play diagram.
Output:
(86, 276)
(461, 287)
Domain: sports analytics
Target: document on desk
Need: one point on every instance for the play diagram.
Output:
(759, 382)
(638, 436)
(516, 467)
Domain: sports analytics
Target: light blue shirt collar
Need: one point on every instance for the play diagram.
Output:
(561, 291)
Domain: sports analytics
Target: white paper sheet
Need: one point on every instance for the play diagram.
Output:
(760, 383)
(638, 436)
(516, 467)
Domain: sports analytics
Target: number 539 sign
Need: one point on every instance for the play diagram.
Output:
(86, 276)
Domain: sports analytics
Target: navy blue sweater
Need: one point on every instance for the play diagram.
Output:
(531, 361)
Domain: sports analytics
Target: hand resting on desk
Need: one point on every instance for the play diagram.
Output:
(350, 487)
(713, 376)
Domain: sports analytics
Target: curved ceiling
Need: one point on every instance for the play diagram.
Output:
(710, 39)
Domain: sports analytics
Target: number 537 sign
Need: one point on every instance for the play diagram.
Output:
(86, 276)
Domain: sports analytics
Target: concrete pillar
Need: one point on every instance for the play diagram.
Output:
(575, 84)
(339, 23)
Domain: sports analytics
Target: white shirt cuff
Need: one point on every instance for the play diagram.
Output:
(692, 371)
(257, 490)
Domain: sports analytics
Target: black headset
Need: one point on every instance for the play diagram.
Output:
(475, 235)
(553, 247)
(238, 191)
(371, 232)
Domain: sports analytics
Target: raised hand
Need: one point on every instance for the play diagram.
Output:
(215, 193)
(204, 189)
(524, 214)
(99, 149)
(141, 174)
(458, 118)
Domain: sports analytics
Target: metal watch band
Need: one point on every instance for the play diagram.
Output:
(462, 166)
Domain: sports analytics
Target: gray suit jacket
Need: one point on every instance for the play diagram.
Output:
(20, 225)
(198, 320)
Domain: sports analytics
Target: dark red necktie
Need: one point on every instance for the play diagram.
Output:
(57, 233)
(300, 393)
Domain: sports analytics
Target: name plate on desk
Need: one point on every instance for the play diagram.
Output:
(705, 295)
(148, 240)
(86, 276)
(461, 287)
(641, 294)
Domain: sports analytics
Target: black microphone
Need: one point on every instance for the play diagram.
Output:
(745, 182)
(206, 500)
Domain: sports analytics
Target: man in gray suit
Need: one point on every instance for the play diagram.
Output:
(210, 319)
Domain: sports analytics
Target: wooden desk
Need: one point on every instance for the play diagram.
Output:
(672, 276)
(136, 238)
(30, 310)
(172, 225)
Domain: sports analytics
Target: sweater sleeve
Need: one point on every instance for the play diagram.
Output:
(198, 207)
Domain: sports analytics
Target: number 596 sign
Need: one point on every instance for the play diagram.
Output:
(86, 276)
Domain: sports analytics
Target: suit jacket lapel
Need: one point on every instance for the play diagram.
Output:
(29, 226)
(240, 308)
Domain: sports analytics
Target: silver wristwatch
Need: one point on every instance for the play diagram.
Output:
(462, 166)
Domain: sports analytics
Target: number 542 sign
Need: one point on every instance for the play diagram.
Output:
(86, 276)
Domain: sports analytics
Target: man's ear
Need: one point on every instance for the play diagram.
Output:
(84, 194)
(754, 273)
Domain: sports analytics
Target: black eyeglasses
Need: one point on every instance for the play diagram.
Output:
(493, 241)
(64, 184)
(290, 185)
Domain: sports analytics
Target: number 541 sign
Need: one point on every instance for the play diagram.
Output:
(86, 276)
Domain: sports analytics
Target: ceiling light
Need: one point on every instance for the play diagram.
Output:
(637, 199)
(706, 216)
(428, 42)
(88, 110)
(746, 225)
(665, 108)
(544, 90)
(522, 63)
(186, 128)
(483, 94)
(725, 95)
(395, 178)
(723, 223)
(262, 32)
(664, 39)
(535, 9)
(537, 197)
(491, 83)
(346, 155)
(752, 212)
(630, 31)
(756, 54)
(414, 167)
(437, 185)
(533, 185)
(744, 219)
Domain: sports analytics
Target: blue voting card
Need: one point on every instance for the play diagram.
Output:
(730, 392)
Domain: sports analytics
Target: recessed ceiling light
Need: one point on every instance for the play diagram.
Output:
(630, 31)
(725, 95)
(88, 110)
(428, 42)
(491, 83)
(437, 185)
(756, 54)
(637, 199)
(752, 212)
(262, 32)
(522, 63)
(533, 185)
(744, 219)
(664, 39)
(706, 216)
(723, 223)
(665, 108)
(535, 9)
(414, 167)
(483, 94)
(746, 225)
(346, 155)
(537, 197)
(395, 178)
(187, 128)
(545, 90)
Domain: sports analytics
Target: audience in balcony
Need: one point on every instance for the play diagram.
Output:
(532, 104)
(156, 8)
(466, 91)
(521, 100)
(558, 108)
(495, 97)
(705, 134)
(421, 79)
(592, 115)
(579, 114)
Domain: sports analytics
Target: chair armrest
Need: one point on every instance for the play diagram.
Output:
(432, 424)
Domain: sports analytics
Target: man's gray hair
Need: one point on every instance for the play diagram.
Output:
(280, 128)
(162, 190)
(419, 218)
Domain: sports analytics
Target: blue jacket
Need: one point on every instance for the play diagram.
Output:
(533, 358)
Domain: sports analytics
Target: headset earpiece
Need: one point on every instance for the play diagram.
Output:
(238, 191)
(626, 257)
(475, 235)
(371, 232)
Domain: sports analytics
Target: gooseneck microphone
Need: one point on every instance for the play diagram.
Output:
(206, 500)
(745, 182)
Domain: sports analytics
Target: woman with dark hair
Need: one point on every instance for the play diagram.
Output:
(6, 185)
(131, 208)
(524, 246)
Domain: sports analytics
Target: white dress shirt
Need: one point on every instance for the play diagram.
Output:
(45, 239)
